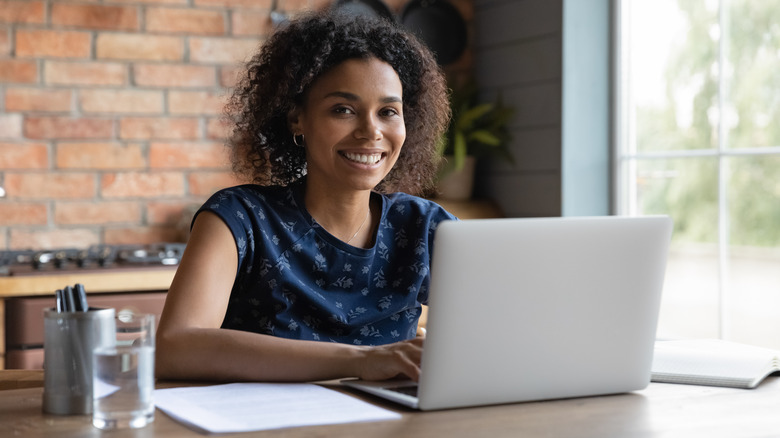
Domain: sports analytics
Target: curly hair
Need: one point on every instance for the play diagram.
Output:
(278, 77)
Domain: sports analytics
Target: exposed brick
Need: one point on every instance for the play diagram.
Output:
(54, 43)
(5, 43)
(157, 2)
(10, 126)
(158, 128)
(187, 155)
(142, 235)
(50, 239)
(23, 156)
(84, 73)
(96, 213)
(131, 46)
(262, 4)
(23, 213)
(142, 185)
(18, 71)
(95, 16)
(206, 183)
(68, 128)
(166, 212)
(218, 129)
(37, 99)
(162, 75)
(189, 21)
(22, 11)
(246, 23)
(222, 50)
(121, 101)
(292, 6)
(100, 156)
(50, 185)
(229, 75)
(196, 102)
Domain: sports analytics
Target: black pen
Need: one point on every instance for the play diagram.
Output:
(58, 301)
(81, 297)
(70, 301)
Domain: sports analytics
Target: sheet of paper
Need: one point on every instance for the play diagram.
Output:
(243, 407)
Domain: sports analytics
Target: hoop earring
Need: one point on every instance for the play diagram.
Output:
(295, 140)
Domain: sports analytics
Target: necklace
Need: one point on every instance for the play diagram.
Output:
(361, 225)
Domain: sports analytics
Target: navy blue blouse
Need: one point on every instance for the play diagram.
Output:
(296, 280)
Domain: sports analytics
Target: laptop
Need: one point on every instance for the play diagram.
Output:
(537, 309)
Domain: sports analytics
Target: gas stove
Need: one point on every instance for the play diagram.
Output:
(96, 257)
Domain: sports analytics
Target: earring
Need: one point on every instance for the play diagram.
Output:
(295, 140)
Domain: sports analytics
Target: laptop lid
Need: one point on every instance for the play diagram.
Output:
(542, 308)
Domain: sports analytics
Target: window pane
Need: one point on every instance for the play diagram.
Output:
(698, 112)
(754, 251)
(673, 85)
(753, 47)
(686, 189)
(754, 201)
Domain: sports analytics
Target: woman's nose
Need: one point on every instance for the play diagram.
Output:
(369, 129)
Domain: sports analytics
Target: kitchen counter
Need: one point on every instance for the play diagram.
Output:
(95, 281)
(103, 280)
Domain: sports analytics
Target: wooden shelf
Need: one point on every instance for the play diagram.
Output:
(108, 280)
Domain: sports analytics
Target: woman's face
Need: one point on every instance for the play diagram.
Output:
(353, 124)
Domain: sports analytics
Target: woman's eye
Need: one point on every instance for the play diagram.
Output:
(388, 112)
(343, 110)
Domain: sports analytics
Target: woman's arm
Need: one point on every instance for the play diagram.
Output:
(191, 344)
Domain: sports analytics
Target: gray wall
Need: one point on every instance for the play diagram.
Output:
(520, 48)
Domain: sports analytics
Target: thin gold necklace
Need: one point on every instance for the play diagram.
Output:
(361, 225)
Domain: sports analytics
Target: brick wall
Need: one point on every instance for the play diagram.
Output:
(109, 113)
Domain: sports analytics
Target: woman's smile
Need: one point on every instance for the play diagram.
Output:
(363, 158)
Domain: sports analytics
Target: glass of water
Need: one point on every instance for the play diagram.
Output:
(123, 375)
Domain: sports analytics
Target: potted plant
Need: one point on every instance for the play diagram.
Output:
(477, 130)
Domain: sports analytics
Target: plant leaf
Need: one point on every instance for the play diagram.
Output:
(459, 150)
(467, 118)
(485, 137)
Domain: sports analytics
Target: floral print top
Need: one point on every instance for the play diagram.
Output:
(296, 280)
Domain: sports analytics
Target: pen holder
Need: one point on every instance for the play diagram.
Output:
(69, 338)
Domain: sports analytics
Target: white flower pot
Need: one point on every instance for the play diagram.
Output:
(457, 185)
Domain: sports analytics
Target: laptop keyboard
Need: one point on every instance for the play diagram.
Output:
(408, 390)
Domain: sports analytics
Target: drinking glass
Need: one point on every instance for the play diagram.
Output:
(124, 375)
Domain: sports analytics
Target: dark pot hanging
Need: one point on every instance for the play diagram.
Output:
(371, 8)
(439, 25)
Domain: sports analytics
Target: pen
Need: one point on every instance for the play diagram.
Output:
(59, 301)
(70, 301)
(81, 298)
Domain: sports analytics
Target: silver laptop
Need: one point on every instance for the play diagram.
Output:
(536, 309)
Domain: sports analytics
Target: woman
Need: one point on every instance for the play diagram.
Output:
(318, 269)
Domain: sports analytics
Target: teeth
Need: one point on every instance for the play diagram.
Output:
(364, 158)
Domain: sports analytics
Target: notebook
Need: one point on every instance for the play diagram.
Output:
(536, 309)
(713, 362)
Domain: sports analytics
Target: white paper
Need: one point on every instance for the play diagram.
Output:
(243, 407)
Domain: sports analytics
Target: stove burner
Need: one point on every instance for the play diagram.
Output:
(93, 257)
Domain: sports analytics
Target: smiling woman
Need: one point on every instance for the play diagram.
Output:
(335, 118)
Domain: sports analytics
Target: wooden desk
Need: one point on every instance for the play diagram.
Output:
(660, 410)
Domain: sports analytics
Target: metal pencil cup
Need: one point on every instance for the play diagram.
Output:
(69, 339)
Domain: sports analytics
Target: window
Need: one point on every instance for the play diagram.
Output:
(698, 138)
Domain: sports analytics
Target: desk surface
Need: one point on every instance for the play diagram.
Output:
(660, 410)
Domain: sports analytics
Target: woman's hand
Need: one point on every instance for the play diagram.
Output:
(392, 360)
